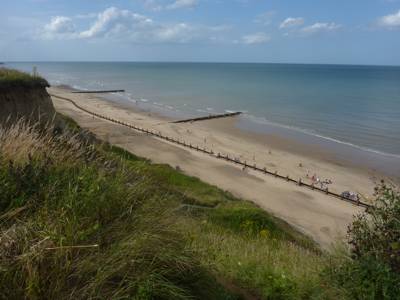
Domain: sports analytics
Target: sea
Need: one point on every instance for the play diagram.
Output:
(351, 110)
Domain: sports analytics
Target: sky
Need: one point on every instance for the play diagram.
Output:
(273, 31)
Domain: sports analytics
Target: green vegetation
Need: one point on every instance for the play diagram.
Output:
(259, 261)
(78, 223)
(372, 270)
(12, 78)
(82, 219)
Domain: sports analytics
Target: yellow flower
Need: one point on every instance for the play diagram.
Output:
(264, 233)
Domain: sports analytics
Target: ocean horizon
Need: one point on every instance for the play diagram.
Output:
(353, 105)
(198, 62)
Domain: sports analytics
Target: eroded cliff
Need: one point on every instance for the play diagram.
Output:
(24, 96)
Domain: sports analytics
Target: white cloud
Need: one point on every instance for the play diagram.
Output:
(183, 4)
(125, 25)
(320, 28)
(390, 21)
(255, 38)
(114, 21)
(291, 22)
(59, 26)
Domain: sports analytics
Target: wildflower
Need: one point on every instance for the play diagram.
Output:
(264, 233)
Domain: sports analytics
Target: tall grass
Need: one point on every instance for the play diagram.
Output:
(244, 245)
(84, 220)
(75, 224)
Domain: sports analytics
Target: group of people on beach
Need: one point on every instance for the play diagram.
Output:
(315, 180)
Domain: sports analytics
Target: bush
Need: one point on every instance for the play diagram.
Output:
(376, 233)
(372, 271)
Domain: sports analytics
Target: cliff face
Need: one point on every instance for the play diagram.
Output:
(32, 103)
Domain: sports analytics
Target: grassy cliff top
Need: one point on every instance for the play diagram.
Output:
(92, 221)
(12, 78)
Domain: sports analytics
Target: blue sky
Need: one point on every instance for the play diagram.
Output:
(327, 31)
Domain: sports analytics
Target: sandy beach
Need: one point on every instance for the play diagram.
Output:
(323, 218)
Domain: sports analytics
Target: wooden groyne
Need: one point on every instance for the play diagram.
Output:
(221, 156)
(98, 92)
(209, 117)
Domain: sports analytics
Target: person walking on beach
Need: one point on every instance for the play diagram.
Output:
(314, 178)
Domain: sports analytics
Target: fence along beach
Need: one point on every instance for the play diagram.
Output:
(316, 213)
(232, 159)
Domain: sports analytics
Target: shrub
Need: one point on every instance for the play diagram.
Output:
(372, 270)
(376, 233)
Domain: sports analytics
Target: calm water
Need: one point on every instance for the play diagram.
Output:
(356, 106)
